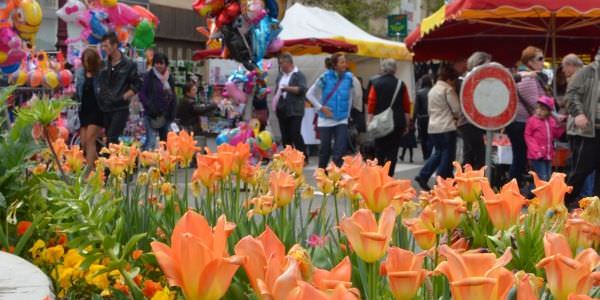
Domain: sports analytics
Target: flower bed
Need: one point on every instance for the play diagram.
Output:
(151, 227)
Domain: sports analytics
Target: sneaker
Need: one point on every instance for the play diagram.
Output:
(422, 183)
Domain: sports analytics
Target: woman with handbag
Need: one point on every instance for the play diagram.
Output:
(336, 87)
(387, 91)
(90, 116)
(158, 98)
(444, 110)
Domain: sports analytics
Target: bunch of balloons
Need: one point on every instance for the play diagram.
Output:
(242, 82)
(134, 25)
(248, 28)
(40, 70)
(261, 142)
(20, 22)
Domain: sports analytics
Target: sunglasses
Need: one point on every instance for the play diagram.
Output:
(539, 58)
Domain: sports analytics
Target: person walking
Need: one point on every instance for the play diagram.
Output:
(583, 123)
(158, 98)
(91, 117)
(540, 132)
(118, 82)
(336, 87)
(288, 102)
(529, 89)
(444, 110)
(381, 94)
(421, 116)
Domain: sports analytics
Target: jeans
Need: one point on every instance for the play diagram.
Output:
(444, 153)
(114, 123)
(543, 168)
(473, 146)
(516, 134)
(588, 186)
(151, 134)
(291, 132)
(339, 134)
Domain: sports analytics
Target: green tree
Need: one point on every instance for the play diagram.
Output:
(356, 11)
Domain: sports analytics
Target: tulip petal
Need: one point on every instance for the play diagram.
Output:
(216, 277)
(287, 281)
(271, 243)
(555, 243)
(168, 265)
(256, 262)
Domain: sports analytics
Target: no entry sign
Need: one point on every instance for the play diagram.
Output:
(489, 97)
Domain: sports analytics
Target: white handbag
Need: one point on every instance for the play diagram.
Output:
(382, 123)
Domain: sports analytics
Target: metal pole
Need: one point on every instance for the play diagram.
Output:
(488, 153)
(554, 65)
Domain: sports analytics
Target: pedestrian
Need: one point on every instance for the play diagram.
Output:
(336, 95)
(529, 89)
(443, 108)
(90, 116)
(288, 102)
(408, 142)
(472, 136)
(189, 110)
(158, 98)
(540, 132)
(583, 122)
(421, 116)
(118, 82)
(381, 94)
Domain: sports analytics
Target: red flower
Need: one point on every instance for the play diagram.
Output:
(136, 254)
(150, 288)
(22, 226)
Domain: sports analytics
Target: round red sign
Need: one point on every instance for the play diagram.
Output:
(489, 97)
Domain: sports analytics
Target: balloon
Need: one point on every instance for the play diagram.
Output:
(228, 14)
(233, 92)
(18, 78)
(66, 77)
(6, 8)
(237, 44)
(10, 69)
(51, 79)
(145, 15)
(264, 140)
(255, 11)
(272, 8)
(208, 7)
(255, 125)
(97, 27)
(108, 3)
(275, 46)
(35, 78)
(262, 35)
(27, 19)
(223, 137)
(143, 36)
(70, 12)
(122, 15)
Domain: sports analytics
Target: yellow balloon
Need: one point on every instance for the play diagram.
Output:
(264, 140)
(27, 19)
(51, 79)
(3, 57)
(108, 3)
(18, 78)
(255, 125)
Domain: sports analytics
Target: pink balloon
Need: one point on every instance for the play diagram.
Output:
(122, 15)
(275, 46)
(233, 92)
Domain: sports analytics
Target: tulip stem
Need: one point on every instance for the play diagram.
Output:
(337, 216)
(372, 280)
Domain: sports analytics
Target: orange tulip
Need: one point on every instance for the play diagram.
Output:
(565, 274)
(474, 275)
(376, 187)
(293, 159)
(528, 286)
(340, 275)
(445, 188)
(351, 169)
(324, 183)
(469, 181)
(225, 158)
(369, 239)
(197, 260)
(248, 173)
(283, 187)
(580, 297)
(207, 171)
(405, 272)
(578, 231)
(504, 209)
(148, 158)
(115, 164)
(424, 236)
(448, 212)
(241, 154)
(550, 194)
(305, 291)
(263, 205)
(182, 145)
(166, 161)
(74, 159)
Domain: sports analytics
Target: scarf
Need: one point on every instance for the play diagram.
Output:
(164, 78)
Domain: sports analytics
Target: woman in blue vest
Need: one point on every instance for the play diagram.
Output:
(333, 104)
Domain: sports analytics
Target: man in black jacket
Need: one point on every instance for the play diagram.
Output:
(118, 83)
(288, 102)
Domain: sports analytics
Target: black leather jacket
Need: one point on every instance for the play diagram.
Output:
(114, 81)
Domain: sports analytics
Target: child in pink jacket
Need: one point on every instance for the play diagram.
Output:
(540, 131)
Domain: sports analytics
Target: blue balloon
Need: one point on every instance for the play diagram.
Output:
(262, 34)
(10, 69)
(272, 8)
(223, 137)
(97, 28)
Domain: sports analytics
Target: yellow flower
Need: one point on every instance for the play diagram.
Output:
(301, 256)
(142, 178)
(99, 280)
(65, 277)
(165, 294)
(53, 254)
(37, 250)
(39, 169)
(167, 189)
(154, 174)
(324, 183)
(283, 187)
(73, 258)
(263, 205)
(196, 187)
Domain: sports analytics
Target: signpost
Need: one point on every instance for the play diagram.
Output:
(397, 26)
(489, 101)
